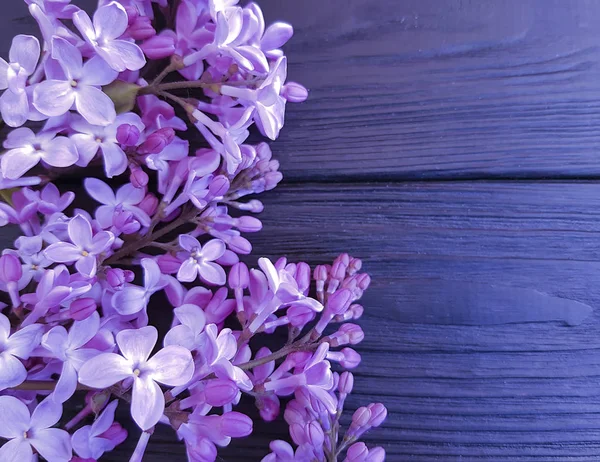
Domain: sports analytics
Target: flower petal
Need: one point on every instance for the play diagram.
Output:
(101, 242)
(173, 366)
(68, 56)
(130, 300)
(137, 344)
(213, 249)
(188, 243)
(87, 266)
(130, 195)
(191, 316)
(87, 147)
(122, 55)
(46, 414)
(115, 160)
(104, 370)
(66, 384)
(81, 442)
(60, 152)
(152, 274)
(80, 231)
(212, 273)
(14, 108)
(16, 450)
(25, 50)
(96, 72)
(99, 190)
(84, 24)
(62, 252)
(16, 162)
(82, 332)
(147, 403)
(110, 21)
(15, 417)
(12, 371)
(180, 335)
(94, 105)
(53, 444)
(103, 423)
(23, 341)
(188, 270)
(53, 97)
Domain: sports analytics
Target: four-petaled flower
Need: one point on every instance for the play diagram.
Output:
(110, 22)
(80, 86)
(172, 366)
(85, 246)
(199, 260)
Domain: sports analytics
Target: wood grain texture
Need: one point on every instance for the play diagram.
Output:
(417, 89)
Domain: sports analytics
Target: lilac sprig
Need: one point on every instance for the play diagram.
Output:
(171, 220)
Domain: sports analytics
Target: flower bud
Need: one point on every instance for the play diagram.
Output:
(376, 454)
(303, 277)
(378, 414)
(338, 270)
(116, 434)
(346, 383)
(219, 392)
(320, 273)
(240, 245)
(149, 204)
(272, 179)
(361, 417)
(299, 315)
(297, 433)
(115, 278)
(157, 141)
(358, 452)
(351, 358)
(159, 47)
(168, 263)
(363, 281)
(354, 266)
(314, 434)
(268, 407)
(248, 224)
(236, 425)
(128, 135)
(82, 308)
(200, 450)
(294, 92)
(219, 186)
(254, 206)
(354, 332)
(141, 28)
(339, 301)
(132, 14)
(239, 277)
(293, 415)
(357, 311)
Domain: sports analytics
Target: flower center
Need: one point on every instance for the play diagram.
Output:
(85, 253)
(196, 255)
(25, 435)
(34, 267)
(73, 83)
(98, 140)
(137, 372)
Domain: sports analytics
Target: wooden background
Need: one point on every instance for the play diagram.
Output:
(454, 146)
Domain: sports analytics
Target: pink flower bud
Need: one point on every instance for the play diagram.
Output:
(248, 224)
(129, 275)
(240, 245)
(338, 270)
(361, 417)
(339, 302)
(299, 315)
(138, 177)
(158, 47)
(254, 206)
(239, 277)
(236, 425)
(200, 450)
(355, 265)
(268, 407)
(346, 383)
(351, 358)
(363, 281)
(272, 179)
(378, 414)
(82, 308)
(294, 92)
(357, 311)
(141, 28)
(128, 135)
(157, 141)
(219, 186)
(376, 454)
(149, 204)
(314, 434)
(10, 268)
(354, 332)
(358, 452)
(303, 277)
(115, 278)
(293, 415)
(219, 392)
(320, 273)
(297, 433)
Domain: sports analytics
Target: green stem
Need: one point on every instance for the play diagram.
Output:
(278, 354)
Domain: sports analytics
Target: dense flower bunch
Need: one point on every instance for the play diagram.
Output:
(113, 93)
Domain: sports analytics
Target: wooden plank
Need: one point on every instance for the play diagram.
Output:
(482, 320)
(442, 89)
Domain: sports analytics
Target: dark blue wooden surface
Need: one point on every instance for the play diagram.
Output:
(454, 145)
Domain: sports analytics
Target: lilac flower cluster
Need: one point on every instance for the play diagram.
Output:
(110, 93)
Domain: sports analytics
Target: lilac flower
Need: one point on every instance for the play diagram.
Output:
(91, 138)
(85, 246)
(132, 299)
(34, 260)
(23, 55)
(90, 441)
(127, 198)
(13, 348)
(26, 149)
(25, 430)
(200, 260)
(171, 366)
(188, 333)
(79, 87)
(49, 199)
(110, 23)
(68, 348)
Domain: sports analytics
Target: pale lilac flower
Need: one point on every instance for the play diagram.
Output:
(25, 430)
(89, 139)
(80, 86)
(90, 441)
(188, 333)
(49, 199)
(23, 55)
(68, 348)
(34, 260)
(199, 260)
(127, 198)
(85, 246)
(26, 149)
(218, 429)
(110, 23)
(132, 299)
(172, 366)
(13, 348)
